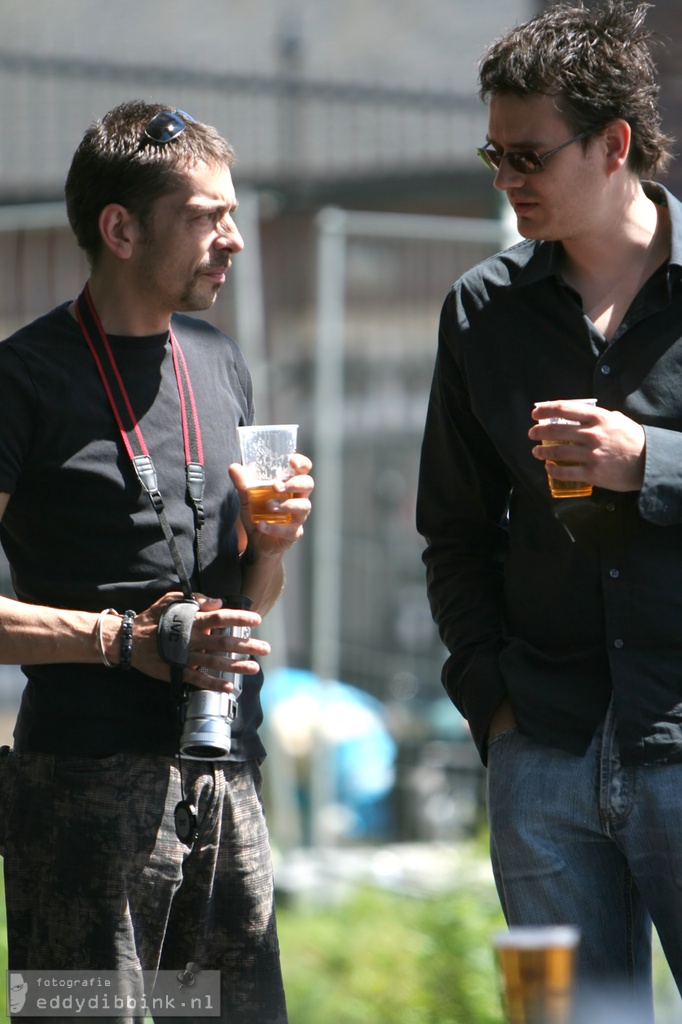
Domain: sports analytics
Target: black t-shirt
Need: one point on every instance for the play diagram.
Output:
(79, 532)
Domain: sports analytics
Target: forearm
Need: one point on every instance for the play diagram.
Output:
(262, 579)
(37, 635)
(462, 499)
(465, 594)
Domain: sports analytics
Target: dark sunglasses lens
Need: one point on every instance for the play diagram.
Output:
(165, 126)
(525, 163)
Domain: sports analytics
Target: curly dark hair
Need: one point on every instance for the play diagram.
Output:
(116, 162)
(598, 64)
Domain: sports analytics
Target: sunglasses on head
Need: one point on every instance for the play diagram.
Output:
(523, 161)
(167, 125)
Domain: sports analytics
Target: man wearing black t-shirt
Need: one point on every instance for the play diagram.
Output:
(122, 580)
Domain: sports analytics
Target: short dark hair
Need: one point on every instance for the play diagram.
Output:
(596, 62)
(117, 163)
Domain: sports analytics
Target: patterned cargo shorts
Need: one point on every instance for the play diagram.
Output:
(96, 877)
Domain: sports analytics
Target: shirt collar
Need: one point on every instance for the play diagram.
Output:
(545, 260)
(658, 194)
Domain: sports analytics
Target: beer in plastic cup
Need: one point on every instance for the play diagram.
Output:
(537, 972)
(265, 457)
(568, 488)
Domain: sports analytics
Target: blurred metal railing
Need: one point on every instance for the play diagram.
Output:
(382, 422)
(283, 125)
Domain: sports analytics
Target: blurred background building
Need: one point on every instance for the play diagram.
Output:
(361, 201)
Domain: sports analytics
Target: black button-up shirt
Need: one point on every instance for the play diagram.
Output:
(561, 604)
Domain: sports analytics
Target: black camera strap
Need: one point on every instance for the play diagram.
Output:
(134, 442)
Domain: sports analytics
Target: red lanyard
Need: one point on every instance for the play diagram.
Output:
(134, 442)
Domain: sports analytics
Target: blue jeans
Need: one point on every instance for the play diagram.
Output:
(589, 841)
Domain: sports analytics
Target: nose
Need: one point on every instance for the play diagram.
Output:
(506, 177)
(228, 235)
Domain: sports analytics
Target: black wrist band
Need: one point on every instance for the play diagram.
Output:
(126, 640)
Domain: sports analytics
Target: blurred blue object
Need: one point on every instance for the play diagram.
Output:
(306, 714)
(445, 721)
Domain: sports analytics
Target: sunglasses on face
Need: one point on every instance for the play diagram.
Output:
(523, 161)
(167, 125)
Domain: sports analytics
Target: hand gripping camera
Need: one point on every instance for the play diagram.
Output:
(206, 715)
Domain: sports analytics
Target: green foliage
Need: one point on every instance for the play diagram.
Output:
(381, 958)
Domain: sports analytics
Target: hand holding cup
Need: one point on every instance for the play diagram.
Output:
(610, 447)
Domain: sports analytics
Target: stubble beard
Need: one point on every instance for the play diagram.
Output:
(192, 298)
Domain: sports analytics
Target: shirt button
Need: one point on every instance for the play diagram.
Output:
(618, 644)
(606, 370)
(611, 507)
(614, 574)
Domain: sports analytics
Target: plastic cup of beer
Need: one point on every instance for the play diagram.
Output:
(567, 488)
(265, 456)
(537, 973)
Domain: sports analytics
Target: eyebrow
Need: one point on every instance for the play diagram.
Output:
(211, 206)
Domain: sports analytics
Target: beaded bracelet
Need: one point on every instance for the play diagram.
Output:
(126, 640)
(100, 638)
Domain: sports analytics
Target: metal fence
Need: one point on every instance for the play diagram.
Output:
(382, 279)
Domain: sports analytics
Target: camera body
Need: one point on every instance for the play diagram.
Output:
(207, 715)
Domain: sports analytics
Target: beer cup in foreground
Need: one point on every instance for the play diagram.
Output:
(568, 488)
(265, 457)
(537, 972)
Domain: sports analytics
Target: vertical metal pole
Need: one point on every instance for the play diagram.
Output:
(328, 419)
(328, 497)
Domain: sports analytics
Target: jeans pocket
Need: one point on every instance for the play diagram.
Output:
(502, 736)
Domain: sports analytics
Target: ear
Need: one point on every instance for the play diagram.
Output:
(119, 230)
(616, 137)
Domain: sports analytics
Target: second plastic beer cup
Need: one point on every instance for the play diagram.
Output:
(537, 971)
(265, 457)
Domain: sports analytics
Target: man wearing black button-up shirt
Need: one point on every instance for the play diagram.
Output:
(563, 618)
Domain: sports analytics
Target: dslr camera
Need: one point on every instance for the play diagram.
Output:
(207, 716)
